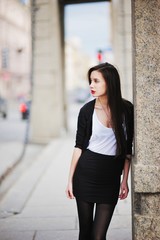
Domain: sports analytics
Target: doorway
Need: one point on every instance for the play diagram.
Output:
(83, 44)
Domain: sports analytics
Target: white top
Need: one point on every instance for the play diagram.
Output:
(103, 138)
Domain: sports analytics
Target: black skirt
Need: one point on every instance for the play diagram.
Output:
(97, 178)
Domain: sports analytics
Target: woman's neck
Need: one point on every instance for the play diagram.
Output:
(102, 101)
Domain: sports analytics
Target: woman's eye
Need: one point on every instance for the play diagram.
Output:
(96, 80)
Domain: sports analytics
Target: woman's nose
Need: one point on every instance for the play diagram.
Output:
(91, 84)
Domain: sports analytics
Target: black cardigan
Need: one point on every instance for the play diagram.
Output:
(84, 125)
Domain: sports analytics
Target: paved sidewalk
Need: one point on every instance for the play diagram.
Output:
(10, 154)
(36, 207)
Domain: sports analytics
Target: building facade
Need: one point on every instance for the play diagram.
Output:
(15, 48)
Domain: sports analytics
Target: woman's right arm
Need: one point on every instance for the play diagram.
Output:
(76, 155)
(80, 137)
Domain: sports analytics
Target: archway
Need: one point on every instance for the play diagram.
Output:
(146, 196)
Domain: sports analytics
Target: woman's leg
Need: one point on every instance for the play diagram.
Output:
(85, 214)
(103, 215)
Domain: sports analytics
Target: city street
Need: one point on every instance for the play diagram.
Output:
(13, 127)
(36, 207)
(12, 138)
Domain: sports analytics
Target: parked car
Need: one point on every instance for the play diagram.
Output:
(24, 109)
(3, 107)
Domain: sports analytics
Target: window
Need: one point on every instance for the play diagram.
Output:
(5, 58)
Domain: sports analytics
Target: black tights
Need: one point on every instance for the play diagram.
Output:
(94, 228)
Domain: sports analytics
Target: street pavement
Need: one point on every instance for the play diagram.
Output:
(12, 137)
(10, 153)
(36, 208)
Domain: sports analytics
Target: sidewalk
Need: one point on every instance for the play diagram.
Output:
(36, 207)
(10, 154)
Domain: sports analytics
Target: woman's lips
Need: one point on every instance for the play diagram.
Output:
(93, 92)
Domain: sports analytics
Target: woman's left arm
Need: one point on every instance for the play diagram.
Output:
(124, 184)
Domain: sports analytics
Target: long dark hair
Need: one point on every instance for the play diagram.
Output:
(115, 102)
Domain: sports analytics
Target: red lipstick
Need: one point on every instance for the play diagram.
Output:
(92, 92)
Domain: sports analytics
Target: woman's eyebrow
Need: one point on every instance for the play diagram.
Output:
(94, 79)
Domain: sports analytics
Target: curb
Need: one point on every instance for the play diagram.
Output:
(11, 155)
(16, 198)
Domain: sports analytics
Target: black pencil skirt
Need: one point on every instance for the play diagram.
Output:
(97, 178)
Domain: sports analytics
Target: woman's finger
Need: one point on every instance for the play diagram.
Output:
(69, 194)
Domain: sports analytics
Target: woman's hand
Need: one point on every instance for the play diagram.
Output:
(123, 190)
(69, 191)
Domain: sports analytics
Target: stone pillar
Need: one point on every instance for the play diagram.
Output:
(47, 113)
(121, 40)
(146, 79)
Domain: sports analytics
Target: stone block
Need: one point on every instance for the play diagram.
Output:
(147, 204)
(146, 228)
(148, 138)
(147, 41)
(146, 178)
(150, 204)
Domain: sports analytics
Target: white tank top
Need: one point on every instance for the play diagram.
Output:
(102, 139)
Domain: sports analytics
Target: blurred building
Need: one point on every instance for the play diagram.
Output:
(15, 48)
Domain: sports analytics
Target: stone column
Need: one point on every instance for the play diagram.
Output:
(146, 79)
(47, 115)
(121, 39)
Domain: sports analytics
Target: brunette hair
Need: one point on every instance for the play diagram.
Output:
(112, 79)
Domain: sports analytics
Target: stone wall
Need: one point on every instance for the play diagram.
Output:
(146, 79)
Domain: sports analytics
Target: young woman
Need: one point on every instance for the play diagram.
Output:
(102, 153)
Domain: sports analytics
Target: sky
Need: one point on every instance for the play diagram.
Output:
(90, 23)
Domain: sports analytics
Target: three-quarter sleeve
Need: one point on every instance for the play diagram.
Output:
(130, 129)
(81, 130)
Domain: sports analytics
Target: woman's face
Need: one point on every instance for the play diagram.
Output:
(98, 85)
